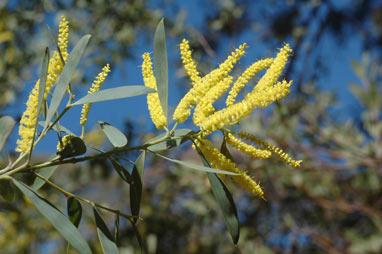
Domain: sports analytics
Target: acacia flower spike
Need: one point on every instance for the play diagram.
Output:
(65, 142)
(96, 86)
(196, 93)
(30, 115)
(153, 102)
(275, 150)
(219, 161)
(247, 149)
(188, 63)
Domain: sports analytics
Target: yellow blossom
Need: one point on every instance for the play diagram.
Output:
(95, 88)
(65, 142)
(153, 102)
(194, 95)
(219, 161)
(189, 63)
(63, 36)
(245, 148)
(275, 150)
(30, 115)
(248, 74)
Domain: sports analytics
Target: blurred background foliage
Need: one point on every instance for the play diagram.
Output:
(332, 204)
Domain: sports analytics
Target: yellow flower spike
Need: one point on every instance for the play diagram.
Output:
(153, 102)
(205, 107)
(275, 150)
(194, 95)
(247, 149)
(248, 74)
(29, 117)
(188, 62)
(219, 161)
(96, 85)
(65, 142)
(63, 36)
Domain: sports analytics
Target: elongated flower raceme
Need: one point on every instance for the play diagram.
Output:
(96, 86)
(30, 115)
(275, 150)
(196, 93)
(188, 63)
(219, 161)
(63, 38)
(247, 149)
(247, 75)
(153, 102)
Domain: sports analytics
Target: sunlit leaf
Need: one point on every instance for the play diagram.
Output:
(56, 218)
(43, 75)
(114, 93)
(45, 172)
(136, 185)
(6, 126)
(66, 75)
(161, 65)
(115, 136)
(62, 128)
(168, 144)
(106, 239)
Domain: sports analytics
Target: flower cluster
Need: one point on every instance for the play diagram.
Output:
(65, 142)
(30, 115)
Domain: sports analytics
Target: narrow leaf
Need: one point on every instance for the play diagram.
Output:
(66, 75)
(224, 150)
(114, 93)
(136, 185)
(62, 128)
(106, 239)
(46, 172)
(74, 209)
(56, 218)
(6, 190)
(122, 172)
(161, 65)
(43, 75)
(116, 229)
(115, 136)
(6, 125)
(139, 237)
(197, 167)
(177, 139)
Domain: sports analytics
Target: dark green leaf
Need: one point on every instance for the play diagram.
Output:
(66, 75)
(74, 147)
(139, 237)
(161, 65)
(136, 185)
(168, 144)
(197, 167)
(56, 218)
(224, 150)
(6, 125)
(74, 211)
(43, 74)
(114, 93)
(46, 172)
(122, 172)
(6, 190)
(106, 239)
(115, 136)
(116, 229)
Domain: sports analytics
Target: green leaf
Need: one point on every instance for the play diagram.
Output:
(139, 237)
(224, 150)
(197, 167)
(122, 172)
(6, 190)
(62, 128)
(74, 209)
(161, 65)
(176, 140)
(106, 239)
(74, 147)
(116, 229)
(136, 185)
(43, 75)
(46, 172)
(114, 93)
(56, 218)
(115, 136)
(66, 75)
(225, 201)
(6, 126)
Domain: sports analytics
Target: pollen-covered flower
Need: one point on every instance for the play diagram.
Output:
(219, 161)
(196, 93)
(247, 149)
(189, 63)
(153, 102)
(65, 142)
(63, 36)
(275, 150)
(247, 75)
(95, 88)
(30, 115)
